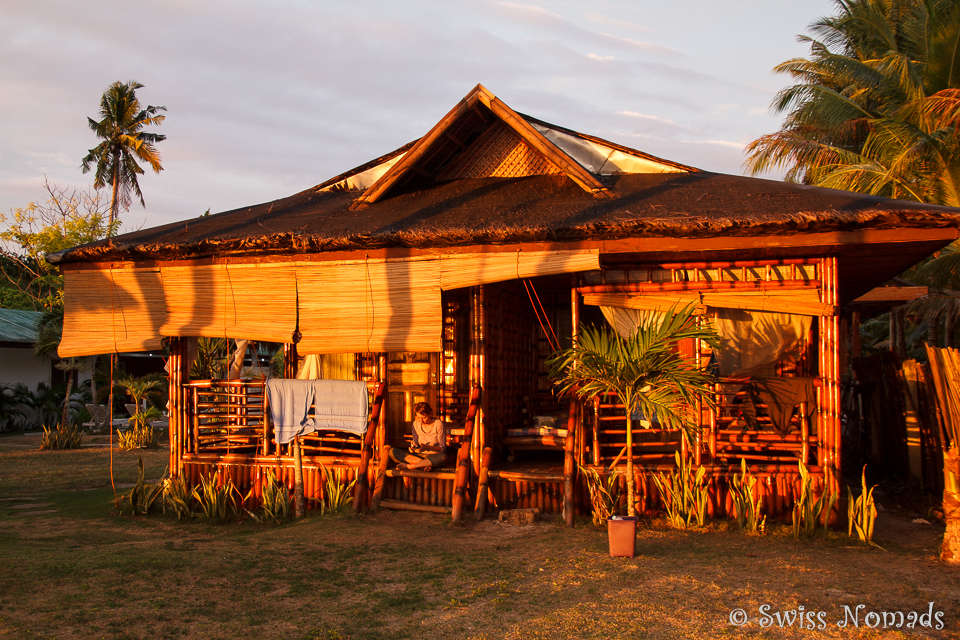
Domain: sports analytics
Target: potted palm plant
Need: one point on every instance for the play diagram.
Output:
(645, 370)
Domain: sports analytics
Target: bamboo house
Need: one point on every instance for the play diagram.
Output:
(450, 269)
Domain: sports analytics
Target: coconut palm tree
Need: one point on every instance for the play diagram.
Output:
(645, 370)
(124, 142)
(876, 105)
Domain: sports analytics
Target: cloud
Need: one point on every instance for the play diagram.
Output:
(722, 143)
(594, 56)
(634, 114)
(560, 26)
(602, 19)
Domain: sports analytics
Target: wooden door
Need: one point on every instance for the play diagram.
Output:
(411, 378)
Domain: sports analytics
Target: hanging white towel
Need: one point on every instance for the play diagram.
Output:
(339, 405)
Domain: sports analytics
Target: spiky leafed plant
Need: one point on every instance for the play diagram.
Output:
(876, 104)
(645, 370)
(124, 142)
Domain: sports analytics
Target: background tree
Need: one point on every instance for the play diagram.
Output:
(875, 110)
(876, 105)
(121, 124)
(645, 370)
(67, 218)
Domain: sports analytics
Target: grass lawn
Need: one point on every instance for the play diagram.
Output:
(68, 569)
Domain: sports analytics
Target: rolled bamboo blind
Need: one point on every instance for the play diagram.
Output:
(111, 311)
(467, 270)
(344, 307)
(251, 301)
(369, 307)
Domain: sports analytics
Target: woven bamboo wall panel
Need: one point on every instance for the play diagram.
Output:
(370, 307)
(252, 301)
(111, 311)
(486, 268)
(499, 153)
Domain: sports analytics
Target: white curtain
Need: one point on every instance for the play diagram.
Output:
(752, 341)
(626, 322)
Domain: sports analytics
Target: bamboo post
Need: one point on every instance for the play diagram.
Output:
(596, 430)
(298, 502)
(194, 394)
(381, 478)
(569, 468)
(266, 421)
(460, 481)
(366, 452)
(289, 360)
(482, 486)
(173, 405)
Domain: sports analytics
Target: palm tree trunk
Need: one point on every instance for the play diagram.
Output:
(114, 204)
(948, 328)
(66, 403)
(631, 500)
(93, 380)
(933, 330)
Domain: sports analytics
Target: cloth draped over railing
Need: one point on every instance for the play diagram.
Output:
(339, 405)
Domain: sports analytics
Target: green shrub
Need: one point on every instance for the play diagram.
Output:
(178, 496)
(275, 501)
(604, 494)
(807, 512)
(141, 434)
(143, 498)
(747, 508)
(218, 500)
(62, 437)
(684, 493)
(862, 512)
(336, 494)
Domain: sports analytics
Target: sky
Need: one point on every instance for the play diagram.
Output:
(267, 98)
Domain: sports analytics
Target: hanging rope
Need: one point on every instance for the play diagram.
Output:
(541, 314)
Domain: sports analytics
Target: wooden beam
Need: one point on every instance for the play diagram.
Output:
(410, 506)
(892, 294)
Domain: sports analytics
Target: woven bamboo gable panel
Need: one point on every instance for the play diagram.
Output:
(500, 152)
(111, 311)
(370, 307)
(252, 301)
(485, 268)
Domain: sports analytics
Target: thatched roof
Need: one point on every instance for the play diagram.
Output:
(548, 208)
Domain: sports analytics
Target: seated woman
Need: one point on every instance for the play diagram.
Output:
(429, 442)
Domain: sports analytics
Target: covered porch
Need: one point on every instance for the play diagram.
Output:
(524, 445)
